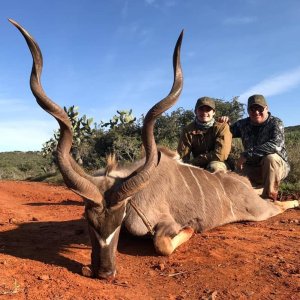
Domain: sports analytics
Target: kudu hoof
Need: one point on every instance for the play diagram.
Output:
(86, 271)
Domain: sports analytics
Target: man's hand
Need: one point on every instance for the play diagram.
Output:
(240, 162)
(223, 119)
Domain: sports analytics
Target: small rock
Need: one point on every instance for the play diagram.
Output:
(152, 273)
(44, 277)
(210, 296)
(159, 266)
(213, 295)
(34, 219)
(249, 293)
(12, 221)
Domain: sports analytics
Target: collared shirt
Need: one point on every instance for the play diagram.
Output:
(206, 145)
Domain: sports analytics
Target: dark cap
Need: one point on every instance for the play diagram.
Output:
(258, 100)
(205, 101)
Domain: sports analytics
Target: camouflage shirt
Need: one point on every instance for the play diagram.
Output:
(260, 140)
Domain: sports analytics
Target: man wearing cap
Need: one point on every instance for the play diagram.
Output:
(264, 159)
(207, 140)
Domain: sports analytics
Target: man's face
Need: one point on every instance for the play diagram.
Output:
(205, 113)
(258, 114)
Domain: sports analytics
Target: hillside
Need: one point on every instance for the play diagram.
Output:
(292, 128)
(19, 165)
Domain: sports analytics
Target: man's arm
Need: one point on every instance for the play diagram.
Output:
(184, 147)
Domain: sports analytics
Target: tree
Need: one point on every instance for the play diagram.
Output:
(123, 137)
(168, 127)
(81, 131)
(233, 109)
(123, 118)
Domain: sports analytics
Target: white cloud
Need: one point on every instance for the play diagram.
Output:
(124, 10)
(239, 20)
(166, 3)
(274, 85)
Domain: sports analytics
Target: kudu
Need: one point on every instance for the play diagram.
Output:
(158, 194)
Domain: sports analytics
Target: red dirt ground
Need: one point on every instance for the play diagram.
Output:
(44, 243)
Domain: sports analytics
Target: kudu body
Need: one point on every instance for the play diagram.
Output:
(158, 194)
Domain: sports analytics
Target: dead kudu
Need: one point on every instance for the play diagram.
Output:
(158, 194)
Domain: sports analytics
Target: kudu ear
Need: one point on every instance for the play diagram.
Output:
(111, 163)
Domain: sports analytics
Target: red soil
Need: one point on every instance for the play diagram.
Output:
(44, 243)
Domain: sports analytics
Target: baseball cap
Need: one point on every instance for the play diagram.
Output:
(258, 100)
(205, 101)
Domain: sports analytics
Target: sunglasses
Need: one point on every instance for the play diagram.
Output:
(205, 108)
(254, 109)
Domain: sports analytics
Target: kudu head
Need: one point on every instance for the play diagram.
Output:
(105, 197)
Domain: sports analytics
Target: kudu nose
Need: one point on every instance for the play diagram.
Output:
(108, 275)
(87, 271)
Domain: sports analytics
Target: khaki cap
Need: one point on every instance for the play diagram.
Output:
(205, 101)
(258, 100)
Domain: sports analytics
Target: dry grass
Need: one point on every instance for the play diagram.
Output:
(10, 290)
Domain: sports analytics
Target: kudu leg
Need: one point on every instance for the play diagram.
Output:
(287, 204)
(165, 244)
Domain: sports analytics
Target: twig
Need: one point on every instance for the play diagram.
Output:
(123, 284)
(178, 273)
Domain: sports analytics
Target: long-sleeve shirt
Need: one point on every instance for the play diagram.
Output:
(260, 140)
(206, 145)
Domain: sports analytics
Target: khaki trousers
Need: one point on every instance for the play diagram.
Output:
(214, 166)
(267, 174)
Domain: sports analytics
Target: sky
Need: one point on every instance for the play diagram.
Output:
(104, 56)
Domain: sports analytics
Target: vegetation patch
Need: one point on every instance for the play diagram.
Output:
(122, 136)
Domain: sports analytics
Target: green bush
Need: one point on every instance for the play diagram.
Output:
(292, 182)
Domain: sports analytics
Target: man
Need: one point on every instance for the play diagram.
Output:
(207, 140)
(264, 160)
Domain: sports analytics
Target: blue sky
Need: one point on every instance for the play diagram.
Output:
(105, 56)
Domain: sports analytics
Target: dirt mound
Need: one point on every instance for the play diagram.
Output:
(44, 242)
